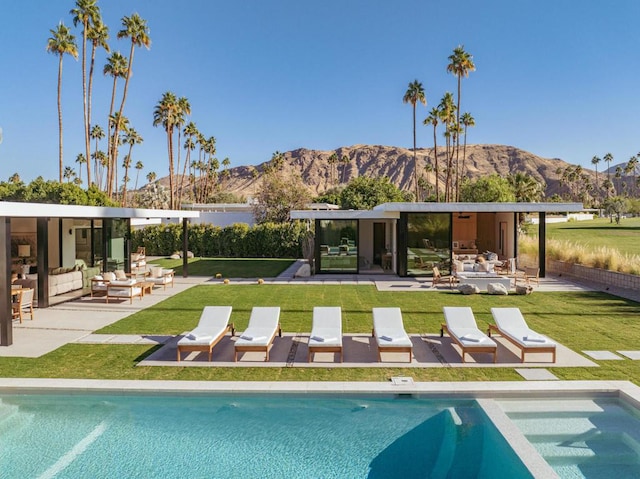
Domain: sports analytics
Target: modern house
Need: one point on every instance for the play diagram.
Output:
(410, 238)
(43, 240)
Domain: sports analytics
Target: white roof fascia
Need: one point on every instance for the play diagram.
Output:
(47, 210)
(480, 207)
(343, 215)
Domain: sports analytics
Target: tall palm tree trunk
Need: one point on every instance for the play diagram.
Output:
(457, 195)
(415, 160)
(184, 173)
(89, 89)
(435, 154)
(170, 148)
(60, 160)
(114, 158)
(84, 101)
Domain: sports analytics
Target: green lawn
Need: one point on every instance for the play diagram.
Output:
(581, 321)
(600, 232)
(229, 267)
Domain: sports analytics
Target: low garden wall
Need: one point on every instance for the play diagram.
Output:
(603, 277)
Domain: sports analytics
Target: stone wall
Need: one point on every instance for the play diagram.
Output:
(594, 275)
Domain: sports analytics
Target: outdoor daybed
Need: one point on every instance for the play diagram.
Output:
(264, 323)
(388, 329)
(462, 327)
(326, 331)
(212, 327)
(511, 325)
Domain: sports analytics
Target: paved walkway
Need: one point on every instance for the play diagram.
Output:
(75, 321)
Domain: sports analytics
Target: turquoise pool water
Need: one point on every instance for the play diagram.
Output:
(265, 436)
(581, 438)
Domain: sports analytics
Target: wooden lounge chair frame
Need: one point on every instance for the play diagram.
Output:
(524, 349)
(392, 349)
(203, 347)
(256, 347)
(474, 349)
(326, 349)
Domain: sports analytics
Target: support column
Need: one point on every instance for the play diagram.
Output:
(6, 326)
(542, 243)
(185, 247)
(43, 261)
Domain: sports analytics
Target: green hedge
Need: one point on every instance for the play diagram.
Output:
(267, 240)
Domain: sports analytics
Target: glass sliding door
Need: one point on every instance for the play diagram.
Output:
(338, 246)
(117, 235)
(428, 243)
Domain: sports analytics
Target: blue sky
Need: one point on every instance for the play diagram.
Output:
(558, 78)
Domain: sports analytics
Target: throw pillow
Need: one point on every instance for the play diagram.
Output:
(109, 276)
(120, 274)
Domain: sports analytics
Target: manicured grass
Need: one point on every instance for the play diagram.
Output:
(600, 232)
(229, 267)
(580, 321)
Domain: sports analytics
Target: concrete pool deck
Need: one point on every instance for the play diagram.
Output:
(76, 320)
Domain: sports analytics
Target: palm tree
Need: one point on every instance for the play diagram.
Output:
(184, 108)
(101, 161)
(467, 121)
(460, 64)
(345, 160)
(526, 187)
(69, 174)
(138, 167)
(447, 116)
(594, 161)
(115, 67)
(121, 123)
(166, 114)
(631, 168)
(136, 29)
(86, 11)
(414, 94)
(131, 137)
(97, 134)
(608, 158)
(80, 159)
(190, 132)
(151, 176)
(433, 119)
(60, 43)
(98, 34)
(332, 160)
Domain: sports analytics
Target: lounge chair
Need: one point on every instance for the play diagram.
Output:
(326, 331)
(511, 325)
(388, 329)
(461, 326)
(212, 327)
(23, 303)
(438, 278)
(264, 323)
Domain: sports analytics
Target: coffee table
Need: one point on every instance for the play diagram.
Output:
(147, 287)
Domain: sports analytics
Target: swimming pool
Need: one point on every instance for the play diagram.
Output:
(143, 435)
(289, 429)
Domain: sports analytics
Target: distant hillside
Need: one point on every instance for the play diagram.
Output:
(397, 164)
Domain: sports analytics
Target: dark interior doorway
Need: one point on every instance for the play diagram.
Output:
(379, 236)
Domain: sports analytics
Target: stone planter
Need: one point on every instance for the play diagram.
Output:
(602, 277)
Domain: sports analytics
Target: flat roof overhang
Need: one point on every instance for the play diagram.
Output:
(47, 210)
(393, 210)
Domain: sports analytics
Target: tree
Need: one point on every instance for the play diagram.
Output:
(460, 64)
(595, 161)
(344, 161)
(414, 94)
(60, 43)
(190, 133)
(151, 176)
(167, 113)
(136, 29)
(447, 116)
(69, 174)
(138, 167)
(97, 134)
(98, 34)
(608, 158)
(487, 189)
(131, 138)
(433, 119)
(467, 121)
(526, 188)
(81, 160)
(363, 193)
(631, 169)
(115, 67)
(86, 11)
(184, 109)
(615, 206)
(277, 196)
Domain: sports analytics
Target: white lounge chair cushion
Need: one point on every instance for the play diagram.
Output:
(511, 323)
(213, 323)
(123, 282)
(125, 292)
(389, 328)
(462, 325)
(263, 325)
(327, 326)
